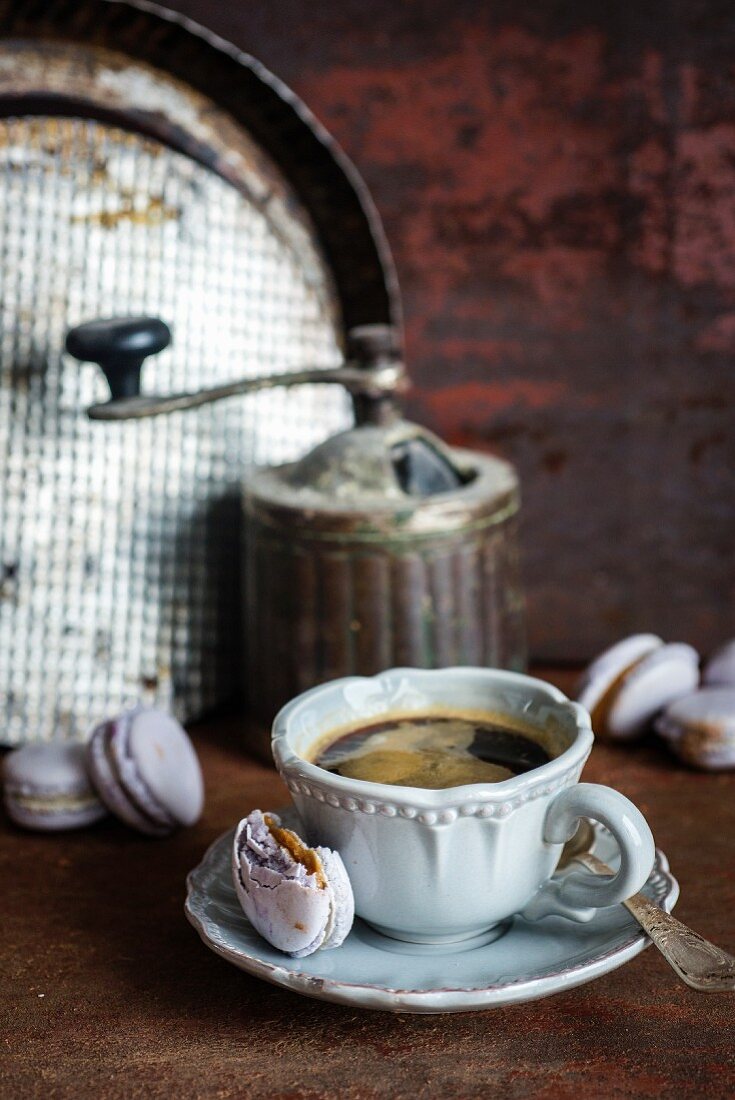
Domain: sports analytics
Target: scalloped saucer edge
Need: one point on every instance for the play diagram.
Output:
(528, 962)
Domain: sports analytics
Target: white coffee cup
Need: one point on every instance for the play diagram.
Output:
(438, 866)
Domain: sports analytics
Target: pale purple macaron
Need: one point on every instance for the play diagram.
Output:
(47, 787)
(146, 771)
(719, 670)
(700, 728)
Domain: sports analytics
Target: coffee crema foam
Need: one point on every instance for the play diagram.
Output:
(434, 751)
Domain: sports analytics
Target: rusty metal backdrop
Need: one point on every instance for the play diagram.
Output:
(557, 184)
(124, 191)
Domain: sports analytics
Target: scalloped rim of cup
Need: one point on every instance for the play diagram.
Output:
(289, 763)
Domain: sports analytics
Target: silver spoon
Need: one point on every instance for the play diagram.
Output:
(697, 961)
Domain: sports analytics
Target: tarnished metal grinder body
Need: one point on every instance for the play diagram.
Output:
(352, 568)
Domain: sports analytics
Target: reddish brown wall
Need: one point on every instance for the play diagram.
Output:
(558, 185)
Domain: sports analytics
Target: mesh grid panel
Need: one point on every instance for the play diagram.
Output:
(119, 543)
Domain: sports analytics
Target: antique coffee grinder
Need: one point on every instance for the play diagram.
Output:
(150, 170)
(381, 547)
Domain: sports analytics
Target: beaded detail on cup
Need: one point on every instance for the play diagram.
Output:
(444, 815)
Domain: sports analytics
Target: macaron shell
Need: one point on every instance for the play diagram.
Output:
(720, 668)
(106, 779)
(125, 766)
(700, 728)
(666, 674)
(54, 767)
(611, 663)
(343, 901)
(166, 767)
(291, 916)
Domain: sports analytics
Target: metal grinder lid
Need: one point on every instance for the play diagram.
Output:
(375, 464)
(389, 480)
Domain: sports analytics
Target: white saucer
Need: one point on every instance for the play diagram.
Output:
(369, 971)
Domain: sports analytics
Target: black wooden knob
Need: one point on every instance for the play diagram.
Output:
(120, 345)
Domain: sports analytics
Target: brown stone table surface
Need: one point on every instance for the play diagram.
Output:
(106, 990)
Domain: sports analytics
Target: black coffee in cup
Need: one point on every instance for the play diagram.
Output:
(435, 751)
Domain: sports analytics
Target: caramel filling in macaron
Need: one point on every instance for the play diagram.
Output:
(601, 710)
(298, 850)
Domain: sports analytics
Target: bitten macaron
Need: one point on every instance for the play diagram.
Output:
(146, 771)
(298, 898)
(46, 787)
(630, 683)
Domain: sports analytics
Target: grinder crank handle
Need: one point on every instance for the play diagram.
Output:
(119, 345)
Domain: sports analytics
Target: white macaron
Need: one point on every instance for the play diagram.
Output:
(630, 683)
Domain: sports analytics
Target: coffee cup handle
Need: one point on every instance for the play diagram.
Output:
(579, 894)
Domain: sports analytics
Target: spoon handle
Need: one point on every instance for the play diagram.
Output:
(697, 961)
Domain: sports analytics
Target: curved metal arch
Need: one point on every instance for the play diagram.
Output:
(327, 183)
